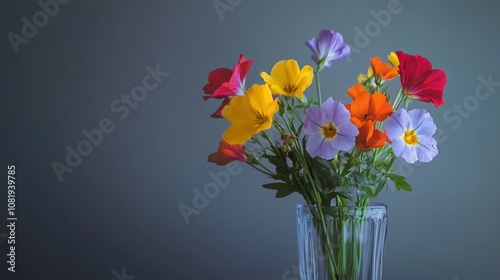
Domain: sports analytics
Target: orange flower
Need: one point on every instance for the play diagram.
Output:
(366, 110)
(355, 90)
(383, 69)
(369, 137)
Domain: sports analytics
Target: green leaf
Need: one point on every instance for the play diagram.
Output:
(275, 186)
(303, 100)
(380, 186)
(324, 174)
(282, 189)
(284, 192)
(400, 182)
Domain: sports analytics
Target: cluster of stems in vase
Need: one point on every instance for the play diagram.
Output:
(325, 150)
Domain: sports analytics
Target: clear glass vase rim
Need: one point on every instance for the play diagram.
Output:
(372, 205)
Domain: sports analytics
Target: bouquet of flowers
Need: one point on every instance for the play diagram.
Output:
(328, 152)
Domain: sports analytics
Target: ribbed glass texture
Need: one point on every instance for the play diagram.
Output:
(341, 243)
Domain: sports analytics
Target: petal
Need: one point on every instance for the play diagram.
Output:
(328, 110)
(277, 89)
(357, 122)
(259, 97)
(234, 151)
(272, 108)
(341, 142)
(307, 75)
(360, 106)
(218, 112)
(430, 87)
(313, 120)
(278, 72)
(219, 76)
(426, 148)
(398, 147)
(366, 131)
(215, 79)
(419, 80)
(396, 124)
(313, 46)
(327, 149)
(208, 89)
(355, 90)
(244, 68)
(299, 92)
(376, 140)
(267, 78)
(379, 108)
(238, 134)
(313, 145)
(410, 154)
(226, 90)
(347, 129)
(292, 70)
(422, 122)
(342, 115)
(332, 46)
(239, 111)
(267, 124)
(361, 78)
(219, 158)
(242, 59)
(382, 69)
(227, 153)
(393, 58)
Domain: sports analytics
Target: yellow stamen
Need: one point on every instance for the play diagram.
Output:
(329, 131)
(410, 137)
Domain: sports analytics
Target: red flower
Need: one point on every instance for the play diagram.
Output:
(223, 83)
(228, 153)
(418, 79)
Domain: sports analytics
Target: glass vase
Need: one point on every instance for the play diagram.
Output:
(341, 242)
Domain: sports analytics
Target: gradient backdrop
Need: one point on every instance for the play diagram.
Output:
(116, 214)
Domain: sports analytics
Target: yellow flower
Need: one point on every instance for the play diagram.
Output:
(286, 78)
(249, 114)
(362, 77)
(393, 58)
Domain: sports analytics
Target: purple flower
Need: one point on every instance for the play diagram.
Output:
(327, 47)
(329, 129)
(411, 135)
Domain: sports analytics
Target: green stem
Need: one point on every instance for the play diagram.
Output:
(342, 254)
(349, 163)
(264, 134)
(320, 217)
(265, 170)
(376, 153)
(397, 101)
(292, 107)
(316, 76)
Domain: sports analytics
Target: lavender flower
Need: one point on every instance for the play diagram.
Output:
(411, 135)
(327, 47)
(329, 129)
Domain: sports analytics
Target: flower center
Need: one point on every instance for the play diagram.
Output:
(410, 137)
(329, 131)
(290, 89)
(368, 117)
(261, 118)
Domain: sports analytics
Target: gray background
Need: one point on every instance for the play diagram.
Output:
(118, 209)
